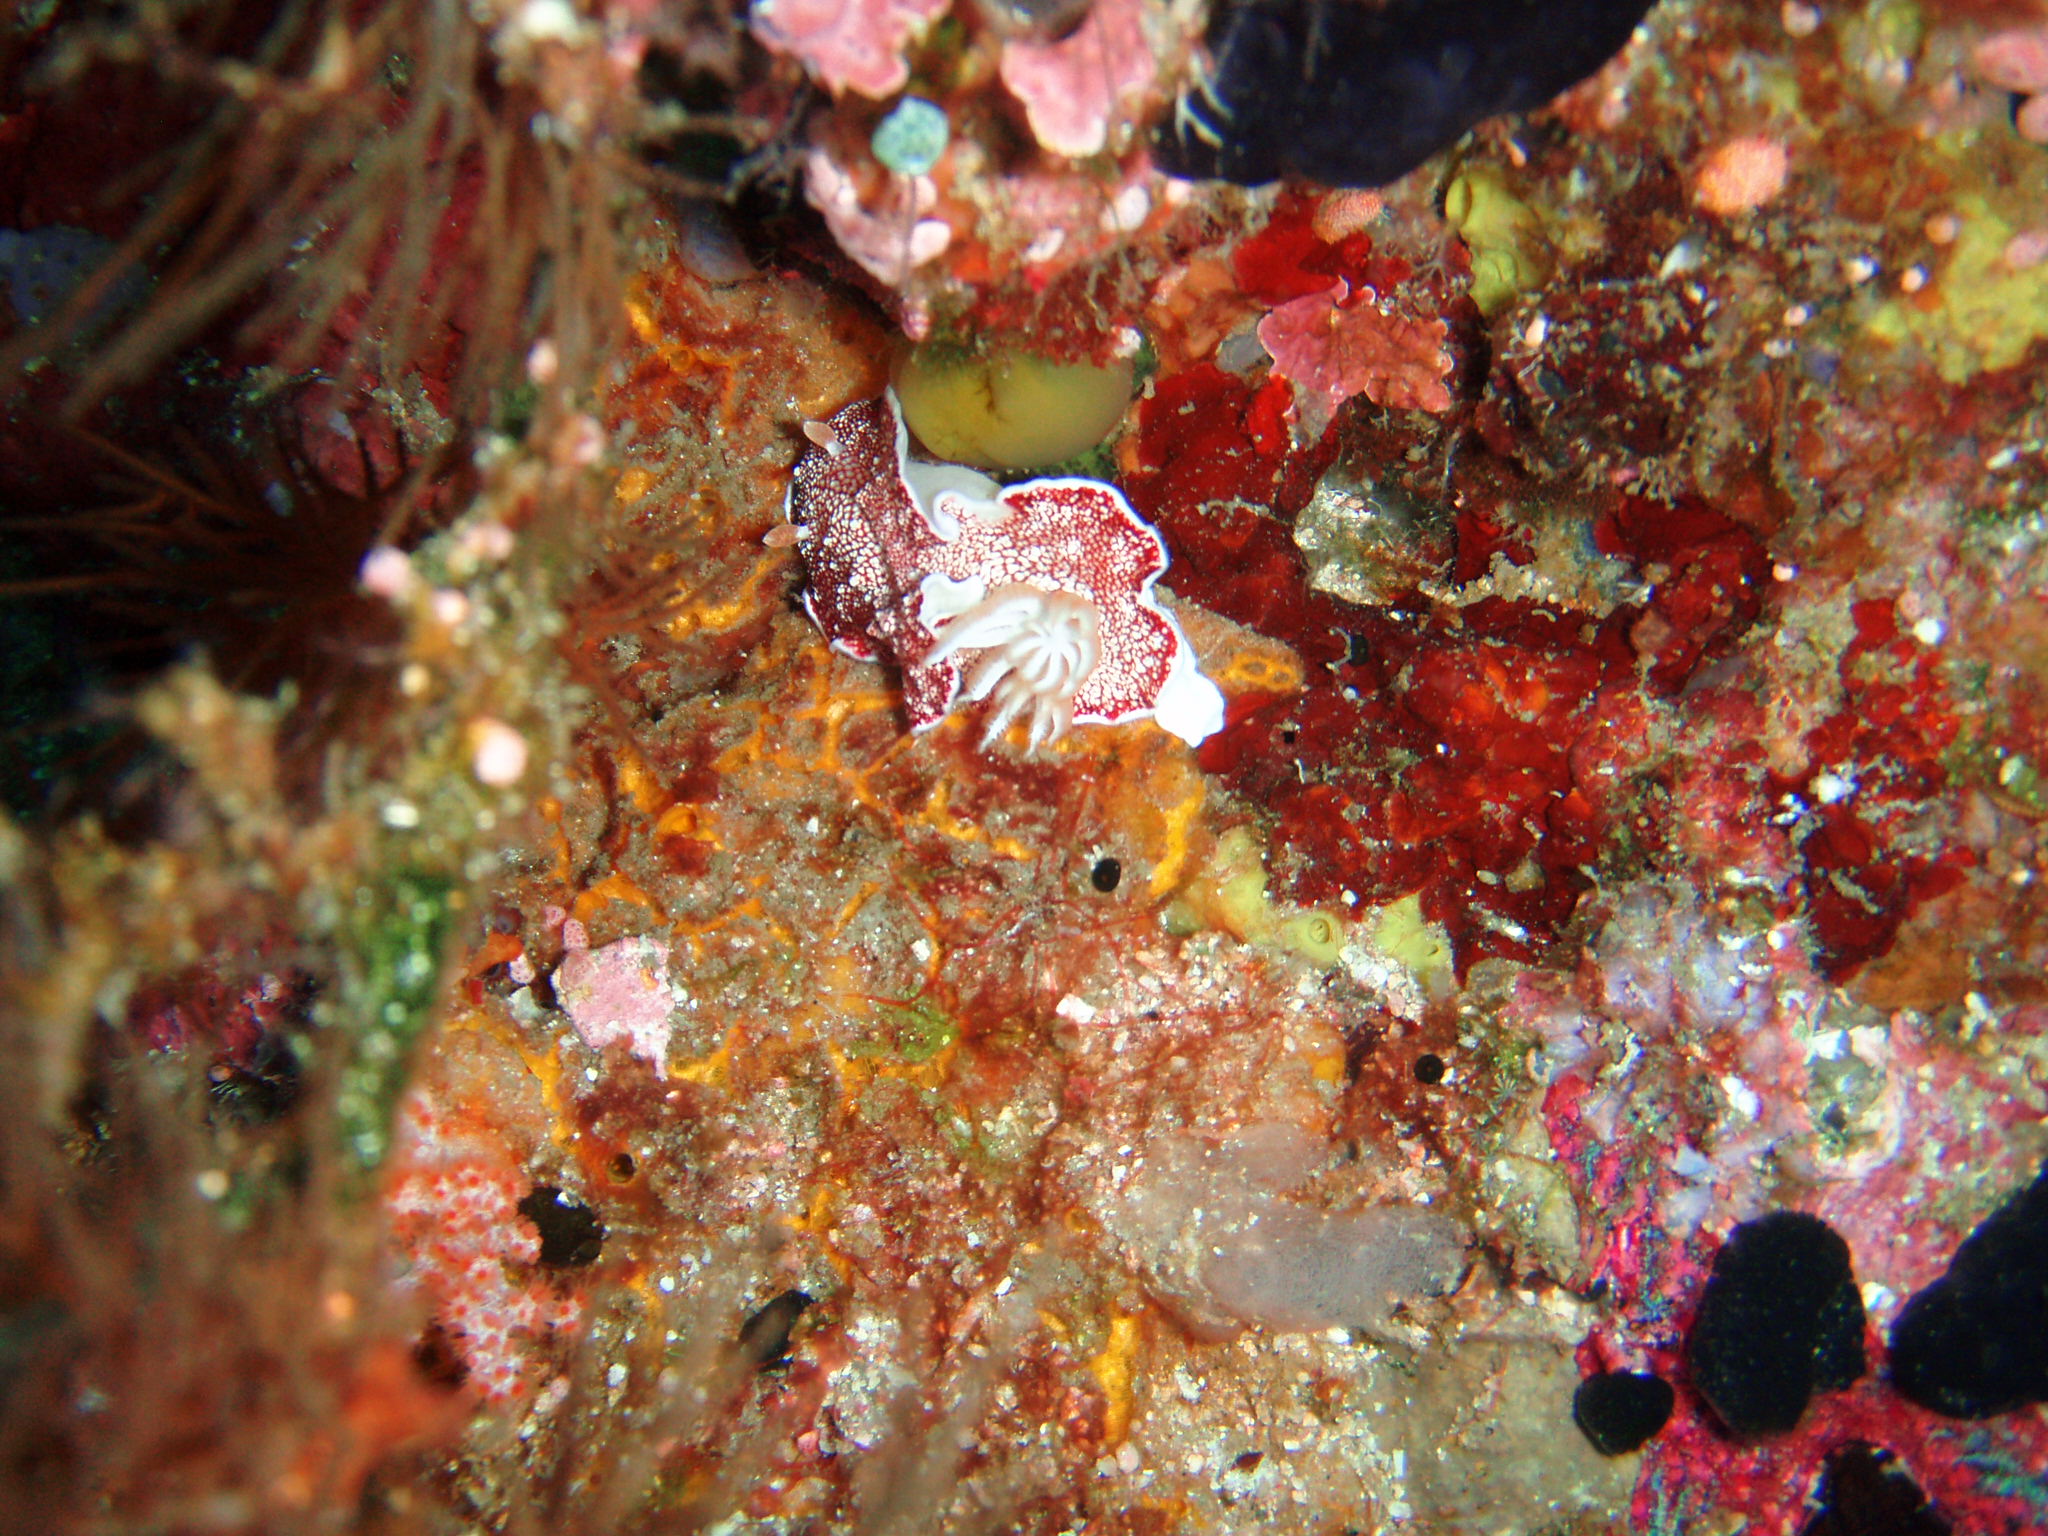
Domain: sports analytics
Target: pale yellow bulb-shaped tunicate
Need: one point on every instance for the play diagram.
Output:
(1009, 409)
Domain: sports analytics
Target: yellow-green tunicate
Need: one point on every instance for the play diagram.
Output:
(1240, 904)
(1510, 252)
(1984, 313)
(1230, 894)
(1405, 935)
(1315, 936)
(1006, 409)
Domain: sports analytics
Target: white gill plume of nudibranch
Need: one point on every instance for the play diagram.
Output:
(1040, 648)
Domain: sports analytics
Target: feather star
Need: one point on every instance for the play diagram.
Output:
(1037, 597)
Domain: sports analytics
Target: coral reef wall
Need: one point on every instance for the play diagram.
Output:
(1376, 866)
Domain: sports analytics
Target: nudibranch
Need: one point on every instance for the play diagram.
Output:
(1037, 597)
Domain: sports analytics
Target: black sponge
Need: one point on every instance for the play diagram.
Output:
(1975, 1342)
(1619, 1410)
(1865, 1492)
(1781, 1319)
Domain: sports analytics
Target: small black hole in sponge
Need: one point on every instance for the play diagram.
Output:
(570, 1233)
(764, 1336)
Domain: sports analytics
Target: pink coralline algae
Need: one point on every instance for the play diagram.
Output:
(2017, 61)
(1741, 175)
(618, 995)
(1040, 592)
(888, 234)
(849, 45)
(1337, 344)
(1071, 89)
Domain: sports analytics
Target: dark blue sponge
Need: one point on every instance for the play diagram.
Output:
(1781, 1319)
(1355, 94)
(1975, 1342)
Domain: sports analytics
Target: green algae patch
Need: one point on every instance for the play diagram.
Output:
(1008, 409)
(1881, 44)
(2005, 772)
(914, 1033)
(1980, 315)
(400, 931)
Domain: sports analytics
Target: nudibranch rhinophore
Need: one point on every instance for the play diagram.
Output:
(1037, 597)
